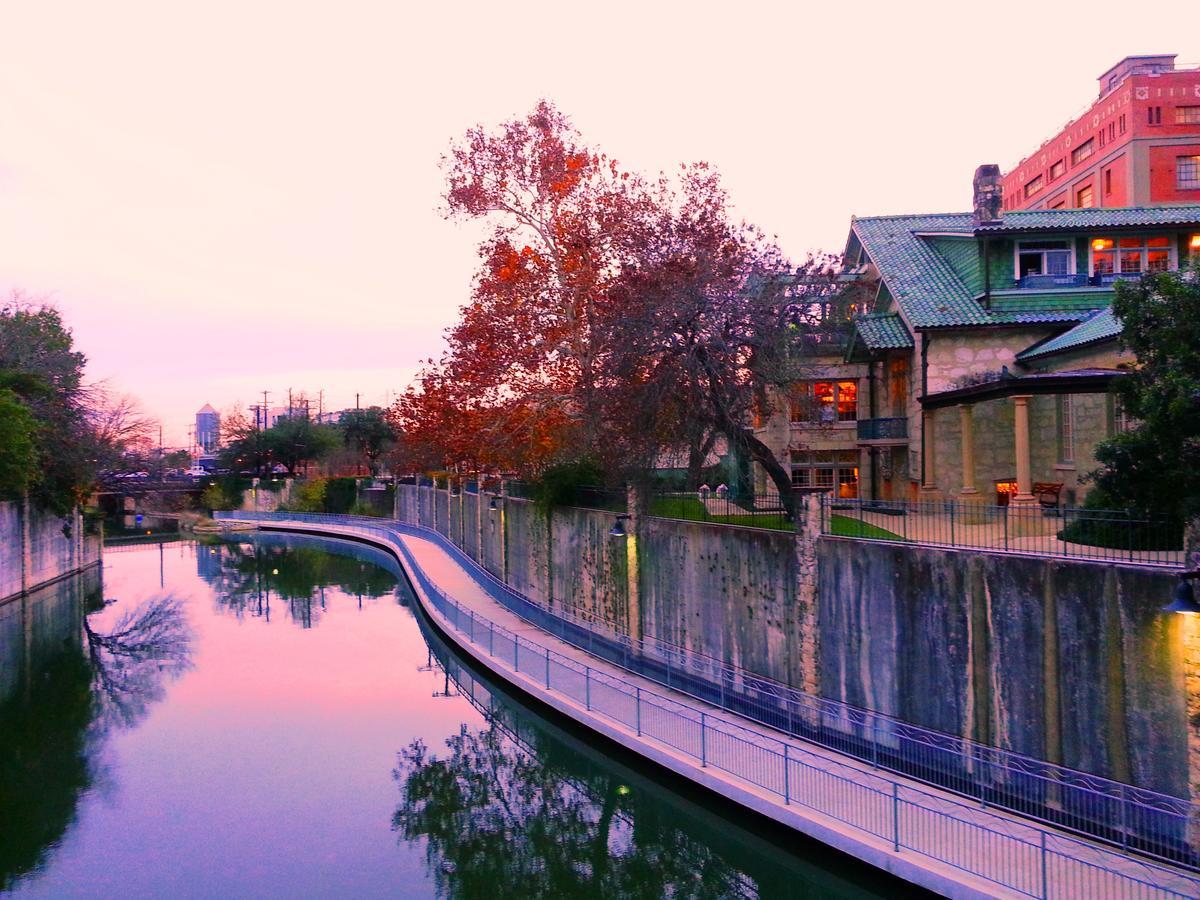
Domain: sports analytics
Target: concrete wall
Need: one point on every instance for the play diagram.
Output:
(1072, 662)
(1068, 661)
(40, 547)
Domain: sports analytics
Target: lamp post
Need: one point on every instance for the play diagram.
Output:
(1185, 596)
(618, 529)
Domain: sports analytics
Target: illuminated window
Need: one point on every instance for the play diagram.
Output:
(824, 402)
(1084, 198)
(825, 470)
(1131, 255)
(1187, 173)
(1082, 152)
(1187, 115)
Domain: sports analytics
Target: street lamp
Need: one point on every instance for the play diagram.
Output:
(618, 529)
(1185, 597)
(492, 505)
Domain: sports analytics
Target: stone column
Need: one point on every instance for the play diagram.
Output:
(971, 502)
(632, 502)
(808, 531)
(1024, 515)
(929, 460)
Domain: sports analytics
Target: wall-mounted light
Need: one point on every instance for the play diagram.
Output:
(1194, 242)
(1099, 244)
(492, 505)
(1185, 596)
(618, 529)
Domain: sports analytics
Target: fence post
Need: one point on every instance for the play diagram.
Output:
(787, 767)
(951, 504)
(895, 817)
(516, 653)
(587, 687)
(547, 668)
(639, 712)
(491, 638)
(1124, 818)
(1045, 885)
(703, 741)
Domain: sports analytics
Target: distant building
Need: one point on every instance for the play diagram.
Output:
(208, 429)
(1137, 145)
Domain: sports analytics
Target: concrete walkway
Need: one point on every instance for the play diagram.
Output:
(923, 835)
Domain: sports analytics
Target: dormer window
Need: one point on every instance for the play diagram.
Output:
(1044, 258)
(1114, 257)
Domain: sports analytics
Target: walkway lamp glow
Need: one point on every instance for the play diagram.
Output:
(618, 529)
(1185, 596)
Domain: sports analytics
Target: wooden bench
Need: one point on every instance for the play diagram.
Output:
(1047, 493)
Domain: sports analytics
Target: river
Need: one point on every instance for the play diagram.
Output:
(272, 716)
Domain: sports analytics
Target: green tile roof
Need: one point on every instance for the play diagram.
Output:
(883, 331)
(1101, 217)
(1100, 326)
(930, 292)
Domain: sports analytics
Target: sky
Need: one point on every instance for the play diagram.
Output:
(227, 198)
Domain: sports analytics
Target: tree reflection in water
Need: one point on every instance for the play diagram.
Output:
(513, 811)
(149, 645)
(75, 689)
(293, 573)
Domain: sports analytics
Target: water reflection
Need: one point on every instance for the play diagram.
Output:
(68, 681)
(293, 572)
(521, 803)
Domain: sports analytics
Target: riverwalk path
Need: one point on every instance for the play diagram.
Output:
(919, 833)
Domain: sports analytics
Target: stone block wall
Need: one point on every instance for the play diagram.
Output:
(36, 547)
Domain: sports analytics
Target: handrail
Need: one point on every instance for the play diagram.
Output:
(1118, 814)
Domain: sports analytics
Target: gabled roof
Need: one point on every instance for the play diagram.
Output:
(883, 331)
(930, 292)
(1100, 326)
(205, 409)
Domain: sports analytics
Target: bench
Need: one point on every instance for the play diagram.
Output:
(1047, 493)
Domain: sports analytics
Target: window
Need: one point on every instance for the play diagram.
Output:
(1121, 420)
(1121, 123)
(1033, 186)
(1057, 169)
(1187, 115)
(1066, 430)
(1131, 255)
(1043, 258)
(1059, 203)
(1082, 152)
(1153, 115)
(1112, 131)
(822, 470)
(1108, 181)
(1187, 173)
(824, 402)
(1103, 137)
(1084, 198)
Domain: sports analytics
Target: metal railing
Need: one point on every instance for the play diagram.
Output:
(1020, 857)
(1060, 531)
(1122, 815)
(894, 429)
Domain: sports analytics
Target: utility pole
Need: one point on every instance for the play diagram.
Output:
(289, 403)
(356, 400)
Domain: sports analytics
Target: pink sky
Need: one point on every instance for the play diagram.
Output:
(240, 197)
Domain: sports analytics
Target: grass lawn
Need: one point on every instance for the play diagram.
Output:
(844, 526)
(691, 509)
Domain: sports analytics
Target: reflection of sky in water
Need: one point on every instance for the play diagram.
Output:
(266, 768)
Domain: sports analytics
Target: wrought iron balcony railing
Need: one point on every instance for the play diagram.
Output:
(883, 429)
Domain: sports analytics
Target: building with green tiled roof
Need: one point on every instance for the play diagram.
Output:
(971, 310)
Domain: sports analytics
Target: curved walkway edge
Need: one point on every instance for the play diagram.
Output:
(919, 834)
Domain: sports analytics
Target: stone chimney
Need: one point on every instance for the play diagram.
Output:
(988, 194)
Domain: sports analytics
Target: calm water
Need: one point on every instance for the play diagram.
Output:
(272, 717)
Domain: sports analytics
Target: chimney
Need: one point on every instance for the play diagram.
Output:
(988, 194)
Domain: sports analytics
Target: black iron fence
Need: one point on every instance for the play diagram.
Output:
(761, 509)
(1064, 531)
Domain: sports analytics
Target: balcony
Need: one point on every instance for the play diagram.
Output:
(883, 431)
(1082, 280)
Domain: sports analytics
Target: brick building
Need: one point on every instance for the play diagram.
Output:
(1137, 145)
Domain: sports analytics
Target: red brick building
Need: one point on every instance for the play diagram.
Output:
(1138, 145)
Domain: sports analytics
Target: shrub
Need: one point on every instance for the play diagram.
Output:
(1099, 524)
(340, 494)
